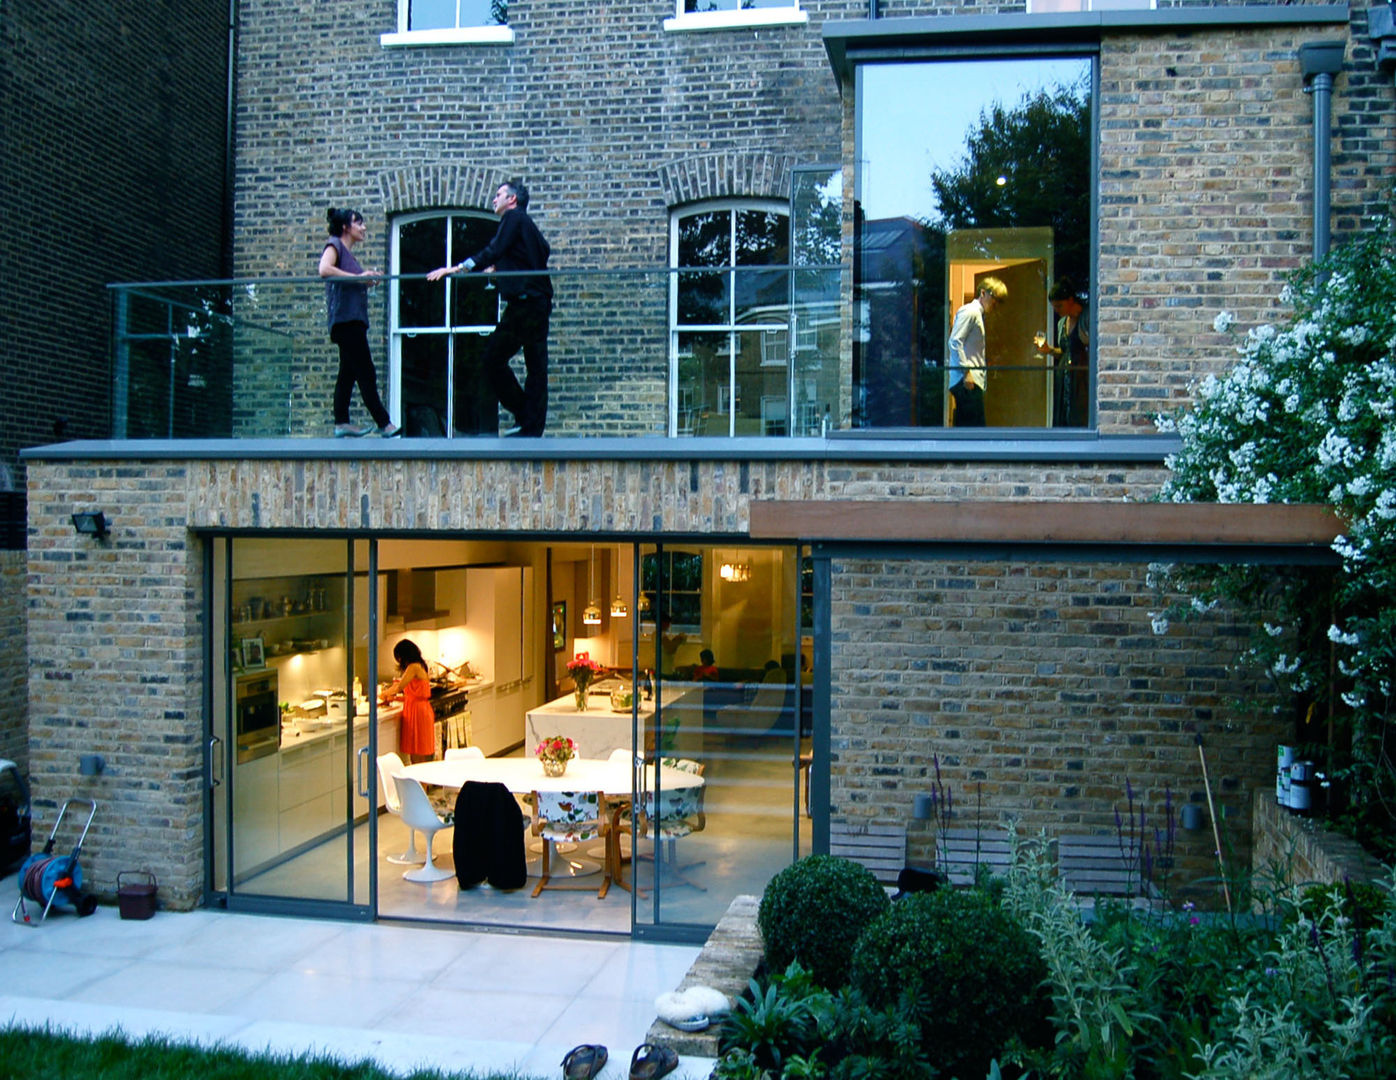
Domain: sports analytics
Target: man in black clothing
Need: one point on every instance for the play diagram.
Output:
(528, 304)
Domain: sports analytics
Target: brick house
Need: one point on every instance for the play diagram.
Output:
(103, 113)
(766, 461)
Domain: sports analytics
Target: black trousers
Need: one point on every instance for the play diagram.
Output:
(969, 404)
(524, 326)
(355, 366)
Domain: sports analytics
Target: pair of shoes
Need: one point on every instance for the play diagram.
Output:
(391, 431)
(509, 432)
(350, 431)
(650, 1060)
(583, 1062)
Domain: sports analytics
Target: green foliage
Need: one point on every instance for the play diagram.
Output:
(966, 968)
(1362, 903)
(769, 1022)
(1320, 1004)
(738, 1063)
(1308, 415)
(28, 1052)
(814, 910)
(794, 1028)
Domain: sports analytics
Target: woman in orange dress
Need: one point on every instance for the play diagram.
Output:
(416, 739)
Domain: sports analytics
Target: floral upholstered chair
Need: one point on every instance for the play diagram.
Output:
(671, 814)
(568, 817)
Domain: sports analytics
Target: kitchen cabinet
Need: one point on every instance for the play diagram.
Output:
(256, 839)
(482, 733)
(496, 601)
(307, 780)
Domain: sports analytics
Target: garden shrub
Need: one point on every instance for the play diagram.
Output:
(814, 910)
(972, 970)
(1360, 901)
(1307, 414)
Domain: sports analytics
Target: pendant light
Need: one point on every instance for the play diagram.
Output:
(619, 608)
(591, 614)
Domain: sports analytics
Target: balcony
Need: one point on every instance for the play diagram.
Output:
(759, 352)
(785, 360)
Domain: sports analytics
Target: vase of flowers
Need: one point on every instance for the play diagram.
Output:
(583, 670)
(555, 752)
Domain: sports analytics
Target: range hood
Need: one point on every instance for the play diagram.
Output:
(412, 598)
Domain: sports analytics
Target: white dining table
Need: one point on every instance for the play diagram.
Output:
(614, 778)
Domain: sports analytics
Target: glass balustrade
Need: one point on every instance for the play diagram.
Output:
(662, 352)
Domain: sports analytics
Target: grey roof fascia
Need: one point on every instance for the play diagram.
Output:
(880, 39)
(890, 447)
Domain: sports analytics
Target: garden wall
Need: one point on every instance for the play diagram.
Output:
(1300, 851)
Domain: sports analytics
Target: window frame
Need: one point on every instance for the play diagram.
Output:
(1082, 49)
(474, 34)
(730, 327)
(681, 21)
(395, 330)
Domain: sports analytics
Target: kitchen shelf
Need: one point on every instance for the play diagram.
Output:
(279, 619)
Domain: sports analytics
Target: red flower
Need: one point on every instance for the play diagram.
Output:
(556, 748)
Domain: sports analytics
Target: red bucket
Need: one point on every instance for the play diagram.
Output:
(136, 899)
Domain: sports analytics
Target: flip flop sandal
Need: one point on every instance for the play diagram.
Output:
(583, 1062)
(650, 1061)
(692, 1023)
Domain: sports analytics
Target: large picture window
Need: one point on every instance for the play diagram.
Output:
(974, 188)
(730, 321)
(439, 328)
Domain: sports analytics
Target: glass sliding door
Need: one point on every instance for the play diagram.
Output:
(719, 628)
(296, 747)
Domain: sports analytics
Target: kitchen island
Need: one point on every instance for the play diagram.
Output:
(600, 729)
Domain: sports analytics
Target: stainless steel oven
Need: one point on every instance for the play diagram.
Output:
(257, 714)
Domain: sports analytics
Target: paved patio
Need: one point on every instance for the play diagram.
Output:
(404, 997)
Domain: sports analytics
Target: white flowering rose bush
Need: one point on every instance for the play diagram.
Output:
(1308, 415)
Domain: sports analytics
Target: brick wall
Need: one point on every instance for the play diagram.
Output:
(1042, 689)
(1043, 682)
(610, 120)
(115, 668)
(1206, 159)
(112, 153)
(14, 674)
(1293, 850)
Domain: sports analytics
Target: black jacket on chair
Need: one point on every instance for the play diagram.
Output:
(488, 843)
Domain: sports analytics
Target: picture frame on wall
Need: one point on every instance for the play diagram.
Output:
(559, 625)
(254, 654)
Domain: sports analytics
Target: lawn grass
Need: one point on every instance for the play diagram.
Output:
(41, 1054)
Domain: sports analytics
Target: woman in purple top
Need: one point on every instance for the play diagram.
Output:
(346, 304)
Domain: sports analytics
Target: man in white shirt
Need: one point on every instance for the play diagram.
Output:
(967, 360)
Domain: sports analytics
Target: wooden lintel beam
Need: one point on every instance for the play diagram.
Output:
(1057, 522)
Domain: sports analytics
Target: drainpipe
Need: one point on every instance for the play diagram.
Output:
(1320, 61)
(229, 141)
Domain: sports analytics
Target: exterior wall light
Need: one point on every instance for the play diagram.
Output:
(91, 523)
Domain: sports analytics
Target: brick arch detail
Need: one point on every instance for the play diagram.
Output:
(439, 187)
(726, 175)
